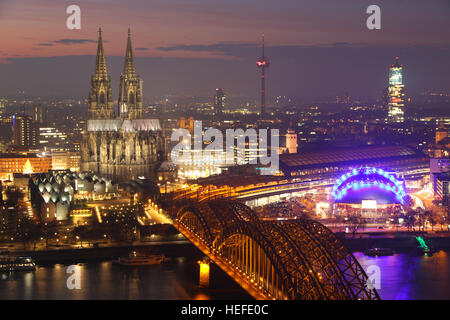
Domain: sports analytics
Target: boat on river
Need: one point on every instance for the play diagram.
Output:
(11, 263)
(376, 252)
(136, 260)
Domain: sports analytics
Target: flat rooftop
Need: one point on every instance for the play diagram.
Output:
(19, 156)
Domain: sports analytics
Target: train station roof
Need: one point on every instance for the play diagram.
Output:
(344, 156)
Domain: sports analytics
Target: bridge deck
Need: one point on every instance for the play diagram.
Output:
(240, 278)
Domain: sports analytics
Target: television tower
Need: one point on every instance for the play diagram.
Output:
(263, 63)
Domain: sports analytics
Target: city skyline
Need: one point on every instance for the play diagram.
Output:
(147, 151)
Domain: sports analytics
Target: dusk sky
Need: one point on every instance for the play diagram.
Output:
(190, 47)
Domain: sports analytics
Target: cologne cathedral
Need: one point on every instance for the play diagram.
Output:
(120, 144)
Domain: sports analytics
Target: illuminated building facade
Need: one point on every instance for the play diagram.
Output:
(369, 192)
(66, 160)
(291, 141)
(3, 103)
(441, 186)
(194, 164)
(187, 124)
(440, 177)
(51, 138)
(395, 93)
(441, 132)
(53, 193)
(19, 163)
(126, 146)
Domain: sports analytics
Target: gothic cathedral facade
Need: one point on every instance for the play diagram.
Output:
(120, 146)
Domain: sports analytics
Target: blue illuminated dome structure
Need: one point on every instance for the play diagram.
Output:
(368, 190)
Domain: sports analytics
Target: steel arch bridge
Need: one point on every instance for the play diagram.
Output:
(291, 259)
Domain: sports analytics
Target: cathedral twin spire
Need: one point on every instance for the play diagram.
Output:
(100, 65)
(129, 69)
(130, 95)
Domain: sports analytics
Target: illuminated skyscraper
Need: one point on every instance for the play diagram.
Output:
(219, 101)
(263, 63)
(395, 93)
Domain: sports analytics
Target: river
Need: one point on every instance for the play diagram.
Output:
(403, 276)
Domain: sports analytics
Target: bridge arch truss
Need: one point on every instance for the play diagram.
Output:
(291, 259)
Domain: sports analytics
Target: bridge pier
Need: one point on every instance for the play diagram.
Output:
(203, 281)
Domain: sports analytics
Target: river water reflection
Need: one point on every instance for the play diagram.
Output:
(403, 276)
(177, 279)
(408, 276)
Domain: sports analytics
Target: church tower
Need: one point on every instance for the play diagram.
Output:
(130, 94)
(291, 140)
(120, 146)
(100, 105)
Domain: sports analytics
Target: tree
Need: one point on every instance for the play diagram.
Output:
(79, 233)
(34, 233)
(23, 232)
(446, 205)
(433, 219)
(410, 220)
(13, 196)
(355, 223)
(424, 216)
(408, 203)
(49, 231)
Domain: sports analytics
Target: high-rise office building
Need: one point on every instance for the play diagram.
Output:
(53, 139)
(394, 97)
(40, 114)
(219, 101)
(24, 131)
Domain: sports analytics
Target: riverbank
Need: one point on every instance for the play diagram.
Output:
(106, 253)
(399, 241)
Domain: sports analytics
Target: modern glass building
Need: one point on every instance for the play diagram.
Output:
(396, 93)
